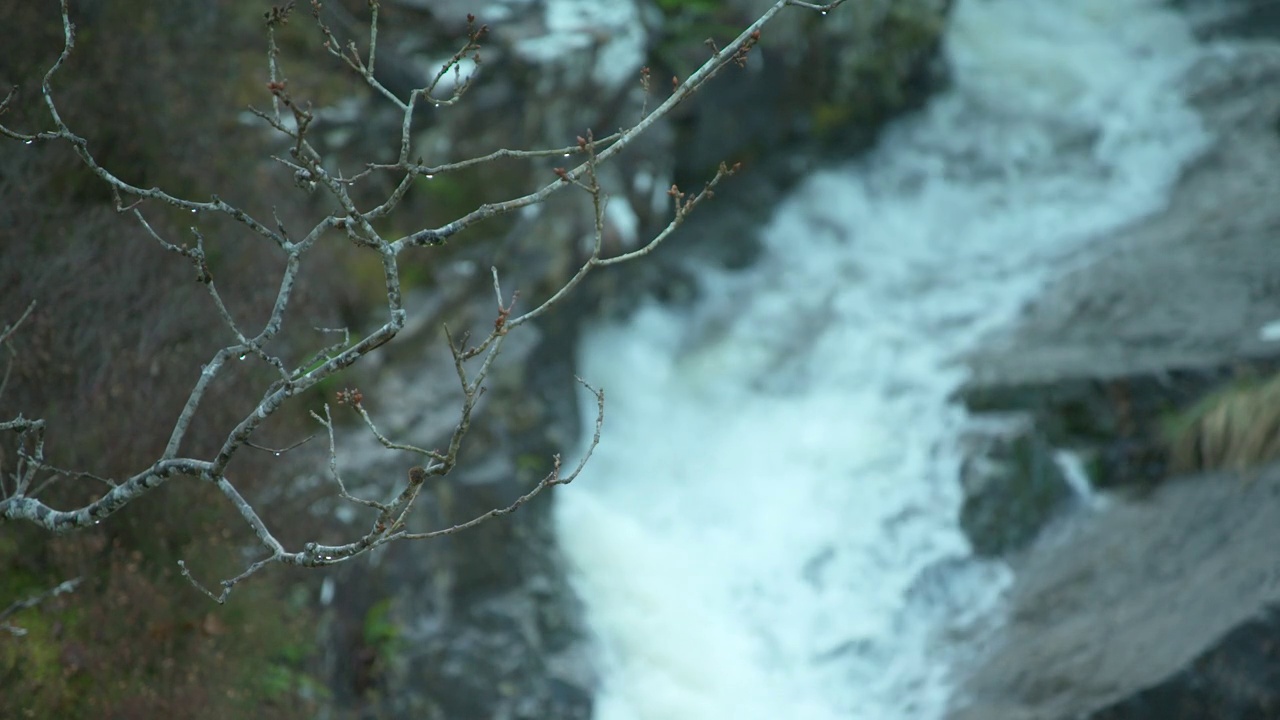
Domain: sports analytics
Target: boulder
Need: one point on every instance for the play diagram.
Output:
(826, 81)
(1138, 596)
(1238, 678)
(1013, 485)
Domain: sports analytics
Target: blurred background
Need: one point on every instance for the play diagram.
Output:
(956, 402)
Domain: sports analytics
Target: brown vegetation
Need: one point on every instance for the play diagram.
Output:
(1236, 428)
(159, 107)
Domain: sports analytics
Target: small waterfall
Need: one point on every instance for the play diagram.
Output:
(769, 528)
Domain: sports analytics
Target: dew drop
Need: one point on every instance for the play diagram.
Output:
(277, 453)
(193, 211)
(430, 177)
(566, 154)
(244, 355)
(28, 142)
(824, 13)
(437, 104)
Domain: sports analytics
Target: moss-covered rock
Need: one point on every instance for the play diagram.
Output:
(818, 81)
(1012, 484)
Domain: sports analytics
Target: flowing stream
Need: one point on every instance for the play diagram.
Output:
(769, 527)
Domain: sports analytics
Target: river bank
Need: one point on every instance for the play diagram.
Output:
(1158, 604)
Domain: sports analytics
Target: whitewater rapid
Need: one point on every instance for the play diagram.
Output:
(769, 527)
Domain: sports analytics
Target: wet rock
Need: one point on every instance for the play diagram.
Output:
(1132, 597)
(1121, 426)
(1232, 18)
(828, 81)
(1012, 485)
(1236, 679)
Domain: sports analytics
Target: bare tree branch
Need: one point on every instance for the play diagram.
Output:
(63, 587)
(20, 489)
(10, 329)
(7, 333)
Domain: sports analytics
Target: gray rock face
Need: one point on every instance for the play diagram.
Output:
(1237, 679)
(1132, 597)
(1190, 287)
(1163, 605)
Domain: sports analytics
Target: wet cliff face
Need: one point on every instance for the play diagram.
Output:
(483, 624)
(1156, 603)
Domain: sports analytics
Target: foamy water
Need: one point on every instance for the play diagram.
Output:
(769, 527)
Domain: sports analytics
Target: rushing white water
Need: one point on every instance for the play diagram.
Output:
(768, 529)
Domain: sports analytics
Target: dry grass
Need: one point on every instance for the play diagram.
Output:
(1235, 428)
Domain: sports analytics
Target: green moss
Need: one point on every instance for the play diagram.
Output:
(874, 78)
(281, 681)
(36, 650)
(830, 117)
(532, 467)
(380, 630)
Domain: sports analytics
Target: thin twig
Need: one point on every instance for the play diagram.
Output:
(9, 330)
(65, 586)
